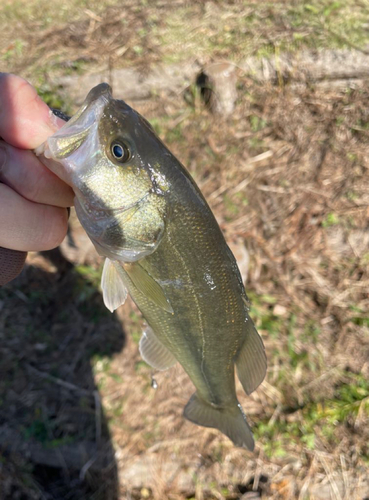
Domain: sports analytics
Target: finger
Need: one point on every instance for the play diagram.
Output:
(27, 226)
(25, 120)
(11, 264)
(24, 173)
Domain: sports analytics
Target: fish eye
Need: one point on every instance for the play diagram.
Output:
(120, 151)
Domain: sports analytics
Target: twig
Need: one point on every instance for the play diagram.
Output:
(97, 416)
(328, 471)
(346, 40)
(85, 468)
(344, 475)
(58, 381)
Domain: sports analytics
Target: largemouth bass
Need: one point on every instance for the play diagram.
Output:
(162, 244)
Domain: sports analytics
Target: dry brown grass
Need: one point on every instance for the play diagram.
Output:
(274, 182)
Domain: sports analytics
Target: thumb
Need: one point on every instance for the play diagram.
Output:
(25, 120)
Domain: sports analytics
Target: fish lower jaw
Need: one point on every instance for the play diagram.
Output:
(44, 154)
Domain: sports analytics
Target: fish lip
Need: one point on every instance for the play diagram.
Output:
(100, 90)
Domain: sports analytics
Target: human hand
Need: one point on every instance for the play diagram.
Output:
(33, 200)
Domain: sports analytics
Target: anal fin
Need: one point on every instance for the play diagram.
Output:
(112, 285)
(251, 362)
(154, 352)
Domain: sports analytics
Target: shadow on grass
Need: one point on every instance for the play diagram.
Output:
(54, 438)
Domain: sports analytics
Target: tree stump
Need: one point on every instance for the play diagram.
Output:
(218, 87)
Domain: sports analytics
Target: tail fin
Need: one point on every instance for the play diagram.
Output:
(231, 421)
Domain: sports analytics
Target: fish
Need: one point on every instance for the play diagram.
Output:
(147, 217)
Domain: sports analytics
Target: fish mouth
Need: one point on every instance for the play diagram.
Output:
(73, 134)
(102, 91)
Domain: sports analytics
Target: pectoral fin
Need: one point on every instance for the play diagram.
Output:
(154, 352)
(112, 285)
(251, 360)
(147, 285)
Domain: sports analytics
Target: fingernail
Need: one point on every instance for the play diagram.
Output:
(55, 122)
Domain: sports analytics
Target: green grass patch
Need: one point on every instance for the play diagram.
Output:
(51, 95)
(45, 14)
(91, 273)
(359, 316)
(257, 123)
(36, 430)
(193, 30)
(262, 314)
(141, 366)
(331, 219)
(100, 364)
(86, 292)
(316, 420)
